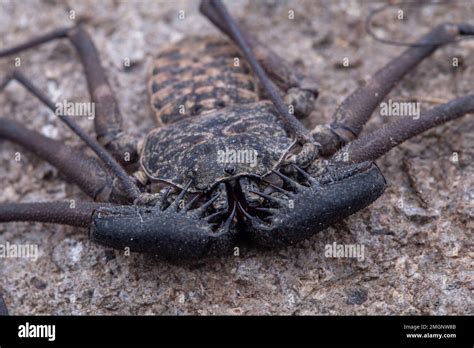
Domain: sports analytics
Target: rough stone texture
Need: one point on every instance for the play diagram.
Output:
(418, 254)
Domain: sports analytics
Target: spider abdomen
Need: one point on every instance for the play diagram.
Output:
(196, 75)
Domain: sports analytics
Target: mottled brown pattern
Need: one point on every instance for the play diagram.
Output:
(197, 75)
(189, 148)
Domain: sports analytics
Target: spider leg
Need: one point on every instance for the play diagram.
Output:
(298, 89)
(127, 184)
(108, 119)
(92, 178)
(167, 232)
(289, 121)
(293, 126)
(77, 214)
(356, 109)
(373, 145)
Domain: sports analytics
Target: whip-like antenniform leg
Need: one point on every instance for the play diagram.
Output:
(128, 186)
(294, 127)
(108, 120)
(357, 108)
(299, 90)
(77, 214)
(373, 145)
(85, 171)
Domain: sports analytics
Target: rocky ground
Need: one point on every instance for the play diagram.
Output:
(417, 236)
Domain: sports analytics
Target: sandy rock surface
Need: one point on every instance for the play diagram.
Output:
(417, 236)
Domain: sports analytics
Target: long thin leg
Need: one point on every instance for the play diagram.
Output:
(300, 90)
(357, 108)
(79, 214)
(83, 170)
(294, 127)
(127, 184)
(371, 146)
(108, 119)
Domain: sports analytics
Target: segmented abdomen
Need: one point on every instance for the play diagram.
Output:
(196, 75)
